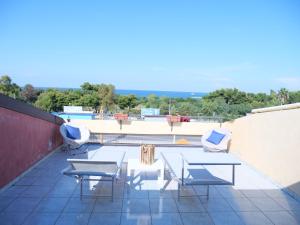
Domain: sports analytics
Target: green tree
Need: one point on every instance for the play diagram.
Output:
(127, 102)
(152, 101)
(186, 109)
(90, 100)
(294, 96)
(164, 105)
(73, 97)
(106, 96)
(283, 96)
(7, 87)
(231, 96)
(88, 88)
(29, 94)
(51, 100)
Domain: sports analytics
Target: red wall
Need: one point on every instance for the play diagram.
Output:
(23, 141)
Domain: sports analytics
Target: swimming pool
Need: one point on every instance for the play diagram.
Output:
(76, 116)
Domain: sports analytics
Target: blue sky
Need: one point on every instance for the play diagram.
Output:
(154, 45)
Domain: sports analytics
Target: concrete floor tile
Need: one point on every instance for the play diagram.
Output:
(135, 219)
(226, 218)
(281, 218)
(196, 218)
(36, 191)
(266, 204)
(163, 205)
(254, 218)
(166, 219)
(13, 218)
(254, 193)
(189, 204)
(136, 206)
(288, 203)
(13, 191)
(105, 205)
(26, 181)
(133, 193)
(105, 219)
(73, 219)
(51, 205)
(241, 204)
(4, 202)
(230, 192)
(161, 194)
(23, 204)
(296, 215)
(77, 205)
(61, 191)
(41, 219)
(216, 205)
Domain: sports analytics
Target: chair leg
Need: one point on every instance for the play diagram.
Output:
(207, 192)
(82, 151)
(112, 188)
(81, 180)
(66, 148)
(178, 191)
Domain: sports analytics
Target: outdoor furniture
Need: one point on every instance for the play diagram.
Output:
(188, 168)
(104, 164)
(222, 146)
(173, 119)
(120, 117)
(70, 143)
(135, 168)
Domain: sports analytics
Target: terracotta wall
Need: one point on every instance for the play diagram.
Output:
(270, 142)
(24, 140)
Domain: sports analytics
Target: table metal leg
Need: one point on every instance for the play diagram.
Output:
(233, 174)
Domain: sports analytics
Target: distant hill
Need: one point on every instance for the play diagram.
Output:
(145, 93)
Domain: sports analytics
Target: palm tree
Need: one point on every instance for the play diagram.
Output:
(283, 96)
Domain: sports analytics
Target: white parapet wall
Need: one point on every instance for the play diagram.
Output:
(277, 108)
(269, 140)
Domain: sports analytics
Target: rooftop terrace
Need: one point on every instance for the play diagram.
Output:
(34, 190)
(45, 196)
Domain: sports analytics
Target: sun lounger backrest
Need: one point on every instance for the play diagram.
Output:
(94, 166)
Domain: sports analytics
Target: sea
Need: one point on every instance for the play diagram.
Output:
(170, 94)
(145, 93)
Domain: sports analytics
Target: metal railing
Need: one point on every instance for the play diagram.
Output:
(138, 139)
(137, 117)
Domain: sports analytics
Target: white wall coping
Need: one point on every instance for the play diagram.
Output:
(277, 108)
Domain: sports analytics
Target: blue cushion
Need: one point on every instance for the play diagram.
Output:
(73, 132)
(215, 137)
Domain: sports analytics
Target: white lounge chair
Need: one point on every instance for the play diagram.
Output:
(105, 165)
(189, 168)
(222, 146)
(71, 144)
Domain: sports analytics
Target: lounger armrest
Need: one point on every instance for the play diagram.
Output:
(87, 173)
(66, 170)
(90, 161)
(172, 172)
(121, 162)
